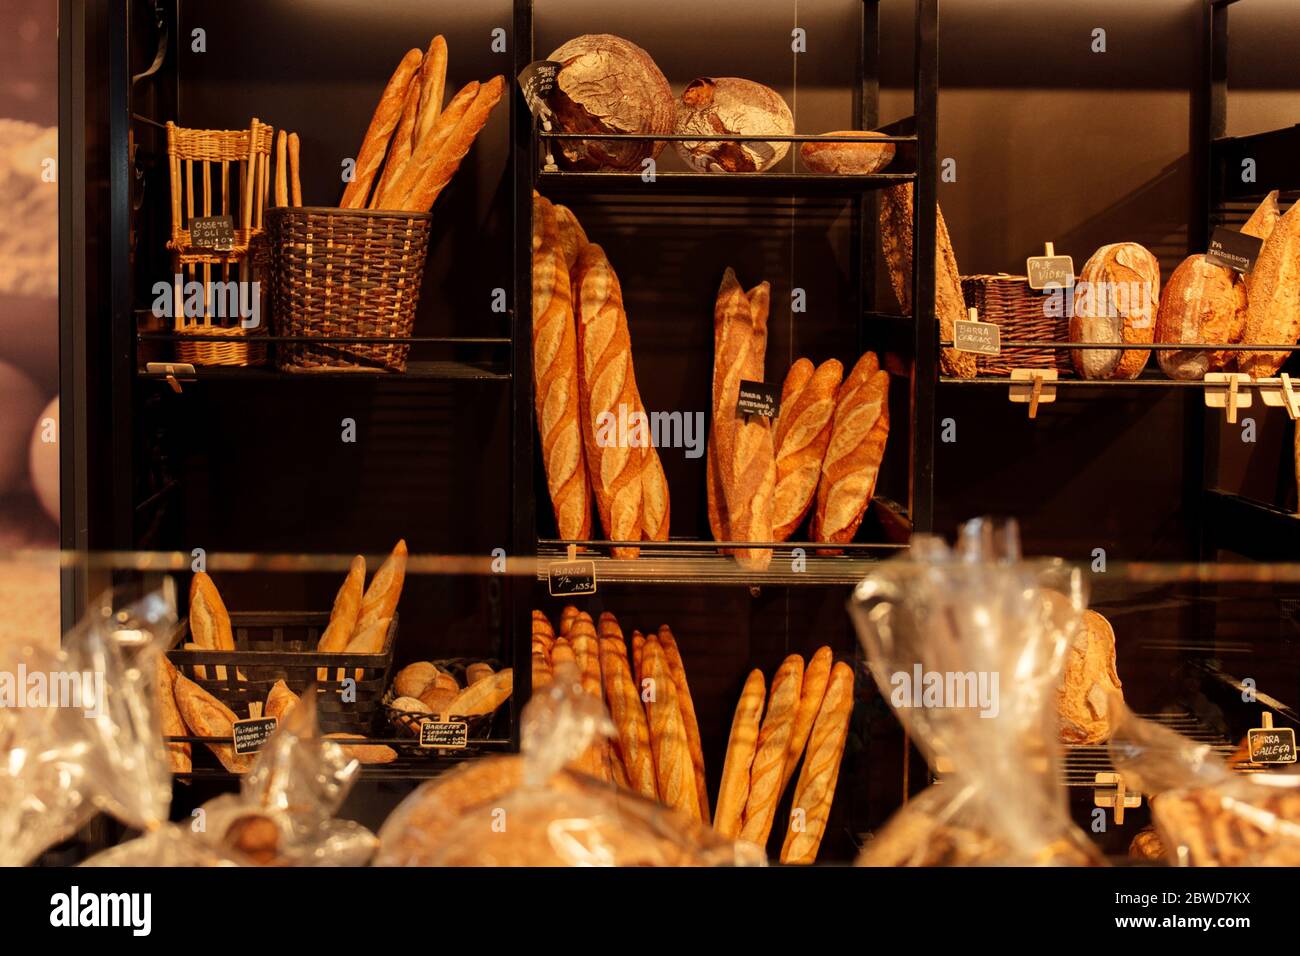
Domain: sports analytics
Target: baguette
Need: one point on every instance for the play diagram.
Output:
(485, 696)
(280, 702)
(295, 181)
(1273, 302)
(1261, 224)
(169, 716)
(655, 508)
(371, 753)
(542, 625)
(896, 242)
(399, 146)
(562, 653)
(859, 430)
(433, 87)
(674, 774)
(607, 383)
(281, 170)
(343, 616)
(815, 677)
(733, 791)
(567, 617)
(209, 621)
(381, 597)
(803, 432)
(771, 750)
(608, 627)
(638, 652)
(727, 311)
(206, 716)
(687, 705)
(586, 653)
(815, 790)
(429, 170)
(541, 671)
(380, 131)
(555, 380)
(369, 639)
(572, 237)
(629, 717)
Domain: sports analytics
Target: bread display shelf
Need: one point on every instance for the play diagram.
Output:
(1148, 379)
(718, 184)
(1272, 151)
(1250, 528)
(1084, 761)
(440, 371)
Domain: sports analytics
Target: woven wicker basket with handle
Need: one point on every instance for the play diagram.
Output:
(1021, 314)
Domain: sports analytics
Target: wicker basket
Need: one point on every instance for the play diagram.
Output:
(282, 646)
(242, 347)
(346, 273)
(407, 723)
(1008, 302)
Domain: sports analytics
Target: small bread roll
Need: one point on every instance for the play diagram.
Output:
(413, 704)
(414, 679)
(476, 672)
(437, 698)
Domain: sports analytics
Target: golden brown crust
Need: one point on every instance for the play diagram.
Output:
(847, 159)
(815, 791)
(674, 772)
(206, 716)
(369, 754)
(433, 86)
(399, 144)
(803, 432)
(414, 679)
(485, 696)
(256, 836)
(421, 182)
(687, 705)
(477, 672)
(733, 792)
(1273, 310)
(567, 617)
(178, 754)
(280, 702)
(1261, 224)
(859, 432)
(1115, 301)
(1201, 303)
(573, 239)
(385, 590)
(382, 123)
(629, 718)
(1146, 845)
(770, 754)
(815, 678)
(209, 620)
(1090, 678)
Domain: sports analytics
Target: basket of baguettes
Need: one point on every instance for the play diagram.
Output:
(347, 654)
(455, 689)
(354, 272)
(656, 749)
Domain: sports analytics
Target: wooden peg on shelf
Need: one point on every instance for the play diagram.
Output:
(1226, 390)
(1118, 799)
(1033, 386)
(1290, 398)
(572, 553)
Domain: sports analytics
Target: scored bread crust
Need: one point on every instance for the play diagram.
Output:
(1103, 314)
(1202, 302)
(206, 716)
(380, 599)
(859, 432)
(674, 771)
(606, 381)
(803, 432)
(1089, 680)
(385, 119)
(770, 753)
(555, 379)
(1261, 224)
(815, 678)
(678, 669)
(178, 754)
(815, 791)
(1273, 309)
(733, 791)
(625, 708)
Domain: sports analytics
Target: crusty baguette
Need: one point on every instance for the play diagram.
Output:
(541, 671)
(771, 750)
(210, 626)
(1261, 224)
(370, 753)
(280, 702)
(638, 652)
(728, 309)
(428, 147)
(343, 616)
(206, 716)
(485, 696)
(675, 666)
(295, 180)
(624, 701)
(555, 379)
(382, 123)
(542, 625)
(178, 754)
(429, 170)
(803, 432)
(674, 773)
(573, 239)
(1273, 300)
(815, 676)
(399, 146)
(586, 653)
(815, 790)
(567, 617)
(897, 244)
(655, 508)
(281, 169)
(607, 381)
(433, 86)
(381, 597)
(369, 639)
(733, 792)
(859, 430)
(607, 626)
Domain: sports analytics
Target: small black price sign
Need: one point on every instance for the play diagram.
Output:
(1233, 249)
(1054, 272)
(213, 232)
(758, 398)
(453, 734)
(252, 735)
(1271, 745)
(981, 338)
(536, 81)
(571, 577)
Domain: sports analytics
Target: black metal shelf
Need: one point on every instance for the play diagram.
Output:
(407, 766)
(436, 371)
(719, 184)
(1273, 153)
(1250, 528)
(1147, 379)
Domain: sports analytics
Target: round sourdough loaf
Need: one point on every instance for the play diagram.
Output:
(1115, 301)
(609, 85)
(1201, 303)
(715, 106)
(847, 159)
(1089, 681)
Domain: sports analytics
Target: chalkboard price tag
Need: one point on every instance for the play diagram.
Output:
(981, 338)
(571, 577)
(213, 232)
(452, 734)
(1233, 249)
(758, 398)
(251, 735)
(1050, 272)
(1271, 745)
(536, 81)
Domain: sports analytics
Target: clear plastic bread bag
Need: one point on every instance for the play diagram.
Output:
(81, 733)
(283, 814)
(1205, 814)
(967, 644)
(529, 810)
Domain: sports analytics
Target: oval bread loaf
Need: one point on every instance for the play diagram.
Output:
(847, 159)
(715, 106)
(1273, 309)
(1115, 301)
(1201, 303)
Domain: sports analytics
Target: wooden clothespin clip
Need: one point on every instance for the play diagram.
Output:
(1224, 390)
(1033, 386)
(1290, 398)
(1119, 798)
(572, 552)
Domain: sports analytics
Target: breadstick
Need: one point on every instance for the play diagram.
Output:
(433, 83)
(815, 790)
(678, 671)
(673, 770)
(375, 144)
(769, 758)
(733, 792)
(621, 693)
(810, 702)
(281, 171)
(295, 184)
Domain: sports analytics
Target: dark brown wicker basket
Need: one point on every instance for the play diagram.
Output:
(1008, 302)
(275, 646)
(350, 273)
